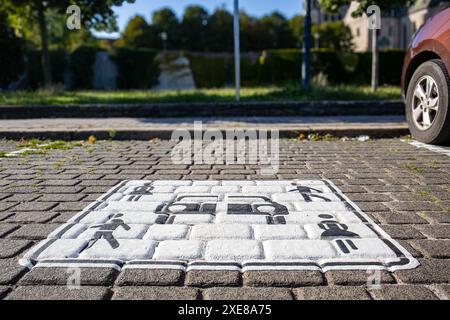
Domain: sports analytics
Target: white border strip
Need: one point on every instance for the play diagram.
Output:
(428, 147)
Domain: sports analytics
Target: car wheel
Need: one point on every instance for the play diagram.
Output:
(427, 103)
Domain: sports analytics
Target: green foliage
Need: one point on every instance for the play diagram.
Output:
(136, 67)
(11, 53)
(194, 28)
(391, 63)
(138, 34)
(208, 71)
(165, 20)
(334, 35)
(81, 66)
(279, 66)
(35, 77)
(275, 93)
(220, 33)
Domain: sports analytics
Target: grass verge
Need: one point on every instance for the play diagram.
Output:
(59, 97)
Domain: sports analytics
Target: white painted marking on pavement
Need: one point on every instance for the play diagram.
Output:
(430, 147)
(222, 225)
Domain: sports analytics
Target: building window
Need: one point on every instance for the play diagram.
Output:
(358, 33)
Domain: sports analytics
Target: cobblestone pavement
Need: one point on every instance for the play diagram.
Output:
(403, 188)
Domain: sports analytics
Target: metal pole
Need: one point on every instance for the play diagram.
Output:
(375, 60)
(306, 66)
(237, 59)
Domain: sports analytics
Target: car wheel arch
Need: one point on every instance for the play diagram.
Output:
(416, 62)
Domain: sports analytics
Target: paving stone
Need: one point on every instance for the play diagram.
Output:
(297, 249)
(155, 293)
(246, 293)
(372, 206)
(445, 289)
(50, 183)
(435, 231)
(215, 231)
(331, 293)
(61, 197)
(11, 271)
(62, 276)
(274, 278)
(63, 216)
(9, 248)
(65, 189)
(150, 277)
(413, 251)
(33, 231)
(58, 293)
(402, 231)
(5, 215)
(35, 206)
(355, 277)
(4, 291)
(438, 217)
(401, 218)
(433, 248)
(166, 232)
(403, 292)
(6, 205)
(429, 271)
(413, 206)
(369, 197)
(233, 250)
(6, 228)
(22, 197)
(179, 249)
(211, 278)
(31, 217)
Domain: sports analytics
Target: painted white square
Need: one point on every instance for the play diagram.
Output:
(246, 225)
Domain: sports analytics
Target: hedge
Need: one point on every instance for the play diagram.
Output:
(209, 71)
(136, 68)
(82, 67)
(355, 68)
(58, 64)
(11, 64)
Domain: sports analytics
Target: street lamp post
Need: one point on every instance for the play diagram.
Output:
(237, 59)
(306, 65)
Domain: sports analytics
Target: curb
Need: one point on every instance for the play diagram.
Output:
(222, 109)
(165, 134)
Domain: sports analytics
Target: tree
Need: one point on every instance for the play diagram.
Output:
(138, 33)
(194, 27)
(220, 31)
(334, 5)
(296, 25)
(334, 35)
(97, 14)
(11, 55)
(165, 20)
(279, 30)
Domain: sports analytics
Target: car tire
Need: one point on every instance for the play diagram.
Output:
(428, 120)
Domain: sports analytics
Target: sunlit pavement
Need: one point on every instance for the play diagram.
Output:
(402, 188)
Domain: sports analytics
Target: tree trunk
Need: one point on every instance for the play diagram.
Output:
(46, 68)
(375, 60)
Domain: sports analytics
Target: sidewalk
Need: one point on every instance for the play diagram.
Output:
(402, 188)
(147, 128)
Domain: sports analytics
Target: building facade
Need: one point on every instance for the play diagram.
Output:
(397, 25)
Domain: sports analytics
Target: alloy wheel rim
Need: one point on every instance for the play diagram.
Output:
(425, 104)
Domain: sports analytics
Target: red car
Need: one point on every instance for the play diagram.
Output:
(426, 82)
